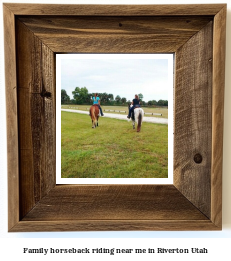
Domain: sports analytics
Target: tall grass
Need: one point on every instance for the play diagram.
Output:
(112, 150)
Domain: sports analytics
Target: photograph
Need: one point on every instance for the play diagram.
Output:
(114, 115)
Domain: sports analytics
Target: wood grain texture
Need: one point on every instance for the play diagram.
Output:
(36, 118)
(113, 202)
(114, 34)
(64, 25)
(114, 225)
(193, 113)
(218, 114)
(114, 207)
(194, 201)
(114, 10)
(11, 116)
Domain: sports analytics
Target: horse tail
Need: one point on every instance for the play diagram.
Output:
(139, 121)
(93, 118)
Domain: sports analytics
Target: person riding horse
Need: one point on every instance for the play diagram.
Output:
(135, 103)
(96, 101)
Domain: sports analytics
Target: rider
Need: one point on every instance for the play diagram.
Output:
(96, 100)
(135, 103)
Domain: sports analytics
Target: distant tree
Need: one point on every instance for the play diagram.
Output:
(80, 95)
(123, 100)
(140, 95)
(64, 97)
(110, 97)
(162, 103)
(154, 102)
(104, 98)
(89, 98)
(118, 99)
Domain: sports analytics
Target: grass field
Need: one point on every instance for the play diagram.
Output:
(163, 111)
(112, 150)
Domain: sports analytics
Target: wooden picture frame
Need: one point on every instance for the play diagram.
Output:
(33, 34)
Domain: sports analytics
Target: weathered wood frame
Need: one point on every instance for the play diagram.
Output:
(33, 34)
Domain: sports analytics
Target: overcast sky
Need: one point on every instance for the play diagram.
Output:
(123, 75)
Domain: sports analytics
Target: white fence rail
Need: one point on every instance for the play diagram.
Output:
(147, 113)
(115, 110)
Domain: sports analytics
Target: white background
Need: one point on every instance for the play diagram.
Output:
(217, 242)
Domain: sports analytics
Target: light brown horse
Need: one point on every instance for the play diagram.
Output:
(94, 114)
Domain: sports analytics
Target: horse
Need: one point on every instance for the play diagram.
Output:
(138, 118)
(94, 114)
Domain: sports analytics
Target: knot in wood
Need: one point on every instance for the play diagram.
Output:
(198, 158)
(45, 94)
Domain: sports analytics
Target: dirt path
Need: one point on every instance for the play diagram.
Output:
(123, 117)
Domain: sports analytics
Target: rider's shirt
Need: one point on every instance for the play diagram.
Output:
(135, 102)
(95, 100)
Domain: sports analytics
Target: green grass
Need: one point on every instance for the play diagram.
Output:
(112, 150)
(163, 111)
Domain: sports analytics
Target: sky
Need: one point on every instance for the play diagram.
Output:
(123, 75)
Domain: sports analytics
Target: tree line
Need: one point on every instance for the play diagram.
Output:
(82, 97)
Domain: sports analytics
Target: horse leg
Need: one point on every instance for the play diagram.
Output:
(93, 124)
(133, 119)
(133, 115)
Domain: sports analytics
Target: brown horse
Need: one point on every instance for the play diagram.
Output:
(94, 114)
